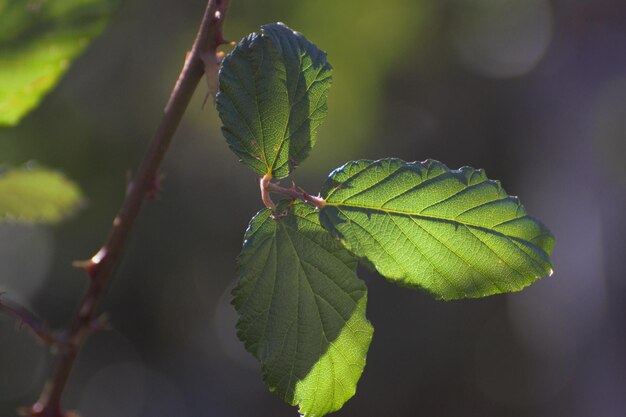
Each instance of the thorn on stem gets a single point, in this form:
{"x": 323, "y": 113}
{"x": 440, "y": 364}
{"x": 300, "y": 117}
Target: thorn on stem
{"x": 85, "y": 264}
{"x": 99, "y": 324}
{"x": 90, "y": 266}
{"x": 38, "y": 410}
{"x": 153, "y": 193}
{"x": 212, "y": 61}
{"x": 129, "y": 181}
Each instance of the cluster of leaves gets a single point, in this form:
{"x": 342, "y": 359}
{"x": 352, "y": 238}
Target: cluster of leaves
{"x": 453, "y": 233}
{"x": 38, "y": 41}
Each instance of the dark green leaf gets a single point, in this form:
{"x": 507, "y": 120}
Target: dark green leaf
{"x": 302, "y": 310}
{"x": 454, "y": 233}
{"x": 272, "y": 98}
{"x": 38, "y": 41}
{"x": 37, "y": 195}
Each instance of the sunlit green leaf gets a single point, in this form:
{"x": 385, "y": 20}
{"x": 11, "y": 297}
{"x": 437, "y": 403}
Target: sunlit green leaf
{"x": 302, "y": 310}
{"x": 37, "y": 195}
{"x": 38, "y": 41}
{"x": 272, "y": 98}
{"x": 454, "y": 233}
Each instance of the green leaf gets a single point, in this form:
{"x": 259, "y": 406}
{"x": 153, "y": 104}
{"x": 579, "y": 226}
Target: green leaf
{"x": 302, "y": 310}
{"x": 454, "y": 233}
{"x": 37, "y": 195}
{"x": 272, "y": 98}
{"x": 38, "y": 41}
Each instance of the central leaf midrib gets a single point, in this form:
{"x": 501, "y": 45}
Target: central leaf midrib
{"x": 258, "y": 111}
{"x": 292, "y": 103}
{"x": 430, "y": 218}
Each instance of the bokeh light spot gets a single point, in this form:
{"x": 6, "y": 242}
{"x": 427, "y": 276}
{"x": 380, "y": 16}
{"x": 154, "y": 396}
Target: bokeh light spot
{"x": 501, "y": 38}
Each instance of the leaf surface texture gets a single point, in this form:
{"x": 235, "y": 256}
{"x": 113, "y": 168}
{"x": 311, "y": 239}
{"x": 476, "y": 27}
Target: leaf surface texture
{"x": 272, "y": 97}
{"x": 302, "y": 310}
{"x": 453, "y": 233}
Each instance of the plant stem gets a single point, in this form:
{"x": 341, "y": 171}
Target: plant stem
{"x": 264, "y": 183}
{"x": 27, "y": 318}
{"x": 295, "y": 194}
{"x": 101, "y": 267}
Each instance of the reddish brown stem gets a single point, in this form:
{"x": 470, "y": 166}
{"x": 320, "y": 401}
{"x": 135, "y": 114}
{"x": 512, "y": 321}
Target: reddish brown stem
{"x": 101, "y": 266}
{"x": 28, "y": 319}
{"x": 294, "y": 193}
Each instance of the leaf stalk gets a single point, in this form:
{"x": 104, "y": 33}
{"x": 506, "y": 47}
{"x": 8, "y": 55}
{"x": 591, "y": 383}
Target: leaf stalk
{"x": 295, "y": 194}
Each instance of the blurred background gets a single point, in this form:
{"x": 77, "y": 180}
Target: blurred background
{"x": 534, "y": 91}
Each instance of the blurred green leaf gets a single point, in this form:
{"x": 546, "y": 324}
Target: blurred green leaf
{"x": 37, "y": 195}
{"x": 454, "y": 233}
{"x": 38, "y": 41}
{"x": 272, "y": 98}
{"x": 302, "y": 310}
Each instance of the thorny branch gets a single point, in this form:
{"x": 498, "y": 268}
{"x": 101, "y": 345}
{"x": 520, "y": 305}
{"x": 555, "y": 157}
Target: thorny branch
{"x": 203, "y": 59}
